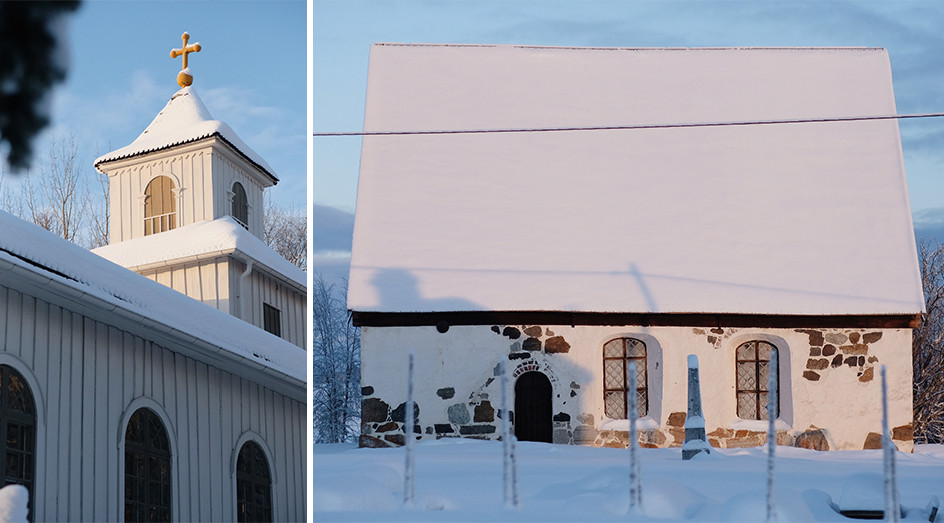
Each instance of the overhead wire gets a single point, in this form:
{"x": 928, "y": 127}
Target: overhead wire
{"x": 633, "y": 126}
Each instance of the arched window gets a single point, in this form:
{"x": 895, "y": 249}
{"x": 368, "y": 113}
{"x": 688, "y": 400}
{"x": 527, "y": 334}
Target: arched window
{"x": 753, "y": 372}
{"x": 17, "y": 430}
{"x": 240, "y": 205}
{"x": 253, "y": 485}
{"x": 147, "y": 468}
{"x": 160, "y": 206}
{"x": 616, "y": 357}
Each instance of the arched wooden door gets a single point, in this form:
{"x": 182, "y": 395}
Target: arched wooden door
{"x": 533, "y": 407}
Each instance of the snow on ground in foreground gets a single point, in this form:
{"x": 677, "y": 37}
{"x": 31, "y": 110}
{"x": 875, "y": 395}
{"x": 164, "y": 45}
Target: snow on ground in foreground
{"x": 461, "y": 480}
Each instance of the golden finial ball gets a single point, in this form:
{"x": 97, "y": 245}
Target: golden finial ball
{"x": 184, "y": 79}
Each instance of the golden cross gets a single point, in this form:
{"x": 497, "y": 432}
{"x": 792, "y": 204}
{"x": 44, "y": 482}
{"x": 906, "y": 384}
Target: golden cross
{"x": 183, "y": 78}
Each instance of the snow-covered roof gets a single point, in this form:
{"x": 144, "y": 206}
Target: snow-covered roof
{"x": 183, "y": 120}
{"x": 800, "y": 218}
{"x": 223, "y": 235}
{"x": 28, "y": 249}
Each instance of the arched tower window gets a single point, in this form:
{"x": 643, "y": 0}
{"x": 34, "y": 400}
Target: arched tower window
{"x": 147, "y": 468}
{"x": 253, "y": 485}
{"x": 753, "y": 372}
{"x": 17, "y": 430}
{"x": 160, "y": 206}
{"x": 240, "y": 205}
{"x": 617, "y": 354}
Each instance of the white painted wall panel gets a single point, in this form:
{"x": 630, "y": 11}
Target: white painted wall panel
{"x": 88, "y": 373}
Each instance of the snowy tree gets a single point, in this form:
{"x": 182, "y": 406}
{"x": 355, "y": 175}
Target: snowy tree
{"x": 927, "y": 353}
{"x": 286, "y": 231}
{"x": 336, "y": 374}
{"x": 32, "y": 61}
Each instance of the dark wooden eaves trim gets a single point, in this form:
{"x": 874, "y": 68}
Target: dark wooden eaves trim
{"x": 784, "y": 321}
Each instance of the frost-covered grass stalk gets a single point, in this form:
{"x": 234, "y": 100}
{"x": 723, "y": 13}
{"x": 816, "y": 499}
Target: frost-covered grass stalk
{"x": 510, "y": 462}
{"x": 892, "y": 510}
{"x": 772, "y": 402}
{"x": 409, "y": 486}
{"x": 635, "y": 482}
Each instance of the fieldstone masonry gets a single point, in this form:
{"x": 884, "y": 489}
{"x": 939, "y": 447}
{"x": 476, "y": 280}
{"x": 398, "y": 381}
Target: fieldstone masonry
{"x": 533, "y": 348}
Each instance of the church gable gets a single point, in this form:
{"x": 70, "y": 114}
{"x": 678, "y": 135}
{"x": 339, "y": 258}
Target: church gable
{"x": 563, "y": 254}
{"x": 759, "y": 219}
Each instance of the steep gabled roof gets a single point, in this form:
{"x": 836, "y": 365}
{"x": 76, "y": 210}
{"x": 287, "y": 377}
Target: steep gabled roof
{"x": 183, "y": 120}
{"x": 66, "y": 272}
{"x": 800, "y": 218}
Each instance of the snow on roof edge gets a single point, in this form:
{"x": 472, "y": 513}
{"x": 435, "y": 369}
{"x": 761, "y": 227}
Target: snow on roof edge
{"x": 37, "y": 250}
{"x": 579, "y": 48}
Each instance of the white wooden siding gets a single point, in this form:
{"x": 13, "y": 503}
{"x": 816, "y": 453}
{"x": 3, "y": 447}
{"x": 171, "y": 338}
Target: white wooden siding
{"x": 260, "y": 287}
{"x": 87, "y": 374}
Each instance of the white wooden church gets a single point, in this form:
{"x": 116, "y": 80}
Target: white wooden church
{"x": 682, "y": 227}
{"x": 122, "y": 396}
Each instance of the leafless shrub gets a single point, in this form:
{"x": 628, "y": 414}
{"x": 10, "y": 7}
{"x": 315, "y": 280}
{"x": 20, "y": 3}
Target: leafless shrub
{"x": 927, "y": 353}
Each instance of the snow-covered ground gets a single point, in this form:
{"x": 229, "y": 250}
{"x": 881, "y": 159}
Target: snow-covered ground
{"x": 461, "y": 480}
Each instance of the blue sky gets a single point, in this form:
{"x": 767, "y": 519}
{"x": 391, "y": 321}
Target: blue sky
{"x": 343, "y": 31}
{"x": 251, "y": 74}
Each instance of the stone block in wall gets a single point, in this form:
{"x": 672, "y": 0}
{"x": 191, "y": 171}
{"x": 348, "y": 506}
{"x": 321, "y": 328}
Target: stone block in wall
{"x": 459, "y": 414}
{"x": 534, "y": 331}
{"x": 676, "y": 419}
{"x": 367, "y": 391}
{"x": 561, "y": 437}
{"x": 374, "y": 410}
{"x": 532, "y": 344}
{"x": 371, "y": 442}
{"x": 814, "y": 439}
{"x": 477, "y": 429}
{"x": 444, "y": 428}
{"x": 484, "y": 412}
{"x": 651, "y": 439}
{"x": 396, "y": 439}
{"x": 399, "y": 413}
{"x": 585, "y": 435}
{"x": 873, "y": 441}
{"x": 556, "y": 344}
{"x": 446, "y": 393}
{"x": 387, "y": 427}
{"x": 904, "y": 432}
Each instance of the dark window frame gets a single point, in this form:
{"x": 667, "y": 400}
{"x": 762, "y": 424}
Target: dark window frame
{"x": 751, "y": 362}
{"x": 18, "y": 425}
{"x": 240, "y": 207}
{"x": 147, "y": 467}
{"x": 272, "y": 319}
{"x": 618, "y": 389}
{"x": 253, "y": 484}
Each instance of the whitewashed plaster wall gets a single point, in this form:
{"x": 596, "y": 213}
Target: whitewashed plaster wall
{"x": 817, "y": 393}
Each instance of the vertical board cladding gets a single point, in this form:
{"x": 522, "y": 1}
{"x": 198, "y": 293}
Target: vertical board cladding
{"x": 84, "y": 376}
{"x": 829, "y": 383}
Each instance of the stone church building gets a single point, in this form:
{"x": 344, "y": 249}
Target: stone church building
{"x": 608, "y": 206}
{"x": 175, "y": 390}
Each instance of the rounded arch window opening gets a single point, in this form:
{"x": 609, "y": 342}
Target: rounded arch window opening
{"x": 147, "y": 468}
{"x": 160, "y": 206}
{"x": 240, "y": 205}
{"x": 253, "y": 484}
{"x": 752, "y": 367}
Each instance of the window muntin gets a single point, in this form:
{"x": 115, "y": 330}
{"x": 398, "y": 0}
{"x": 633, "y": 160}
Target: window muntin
{"x": 147, "y": 468}
{"x": 240, "y": 205}
{"x": 253, "y": 485}
{"x": 17, "y": 431}
{"x": 753, "y": 372}
{"x": 272, "y": 319}
{"x": 160, "y": 206}
{"x": 617, "y": 354}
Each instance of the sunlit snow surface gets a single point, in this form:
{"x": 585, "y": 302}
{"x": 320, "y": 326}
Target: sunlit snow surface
{"x": 461, "y": 480}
